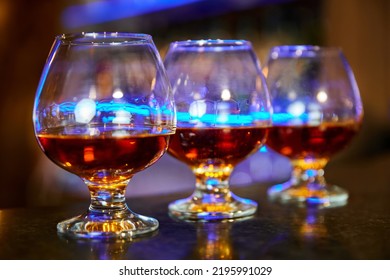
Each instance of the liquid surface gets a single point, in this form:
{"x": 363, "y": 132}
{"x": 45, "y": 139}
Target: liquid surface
{"x": 105, "y": 158}
{"x": 322, "y": 141}
{"x": 229, "y": 145}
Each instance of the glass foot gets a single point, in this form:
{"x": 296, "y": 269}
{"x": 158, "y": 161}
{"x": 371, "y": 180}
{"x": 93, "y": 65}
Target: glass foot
{"x": 208, "y": 207}
{"x": 322, "y": 196}
{"x": 124, "y": 225}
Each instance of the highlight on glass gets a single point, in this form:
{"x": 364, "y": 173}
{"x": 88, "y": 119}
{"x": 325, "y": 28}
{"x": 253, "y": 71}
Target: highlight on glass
{"x": 317, "y": 111}
{"x": 223, "y": 114}
{"x": 104, "y": 111}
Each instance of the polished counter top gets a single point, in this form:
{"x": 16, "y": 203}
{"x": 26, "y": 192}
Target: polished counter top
{"x": 358, "y": 230}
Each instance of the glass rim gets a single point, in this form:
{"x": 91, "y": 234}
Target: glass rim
{"x": 303, "y": 50}
{"x": 211, "y": 44}
{"x": 104, "y": 38}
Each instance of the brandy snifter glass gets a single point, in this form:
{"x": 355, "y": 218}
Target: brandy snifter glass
{"x": 104, "y": 111}
{"x": 223, "y": 112}
{"x": 317, "y": 110}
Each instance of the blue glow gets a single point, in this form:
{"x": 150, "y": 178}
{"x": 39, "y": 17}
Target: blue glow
{"x": 43, "y": 80}
{"x": 212, "y": 236}
{"x": 106, "y": 11}
{"x": 281, "y": 118}
{"x": 316, "y": 200}
{"x": 295, "y": 51}
{"x": 212, "y": 182}
{"x": 185, "y": 117}
{"x": 144, "y": 110}
{"x": 263, "y": 149}
{"x": 104, "y": 195}
{"x": 276, "y": 189}
{"x": 209, "y": 216}
{"x": 311, "y": 219}
{"x": 211, "y": 45}
{"x": 261, "y": 116}
{"x": 311, "y": 172}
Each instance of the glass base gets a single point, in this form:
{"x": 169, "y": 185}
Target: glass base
{"x": 326, "y": 196}
{"x": 208, "y": 207}
{"x": 92, "y": 225}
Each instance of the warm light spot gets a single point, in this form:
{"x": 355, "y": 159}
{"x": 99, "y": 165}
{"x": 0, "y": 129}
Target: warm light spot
{"x": 192, "y": 154}
{"x": 286, "y": 151}
{"x": 291, "y": 95}
{"x": 153, "y": 84}
{"x": 197, "y": 95}
{"x": 322, "y": 96}
{"x": 214, "y": 174}
{"x": 225, "y": 94}
{"x": 109, "y": 226}
{"x": 208, "y": 207}
{"x": 68, "y": 164}
{"x": 106, "y": 227}
{"x": 117, "y": 94}
{"x": 265, "y": 71}
{"x": 92, "y": 92}
{"x": 89, "y": 154}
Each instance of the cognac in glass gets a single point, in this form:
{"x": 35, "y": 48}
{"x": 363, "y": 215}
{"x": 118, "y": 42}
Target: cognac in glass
{"x": 104, "y": 111}
{"x": 317, "y": 111}
{"x": 223, "y": 112}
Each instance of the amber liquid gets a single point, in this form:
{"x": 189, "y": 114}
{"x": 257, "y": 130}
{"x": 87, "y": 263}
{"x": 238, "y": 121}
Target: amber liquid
{"x": 104, "y": 159}
{"x": 195, "y": 146}
{"x": 316, "y": 142}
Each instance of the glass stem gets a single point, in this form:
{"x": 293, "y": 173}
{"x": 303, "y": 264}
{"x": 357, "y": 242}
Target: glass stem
{"x": 212, "y": 181}
{"x": 311, "y": 175}
{"x": 108, "y": 199}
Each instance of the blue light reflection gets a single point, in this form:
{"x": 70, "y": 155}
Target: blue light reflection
{"x": 213, "y": 119}
{"x": 283, "y": 118}
{"x": 144, "y": 110}
{"x": 105, "y": 11}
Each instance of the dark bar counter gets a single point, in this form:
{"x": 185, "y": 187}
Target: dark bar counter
{"x": 358, "y": 230}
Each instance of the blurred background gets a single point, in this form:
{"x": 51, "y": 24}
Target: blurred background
{"x": 27, "y": 28}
